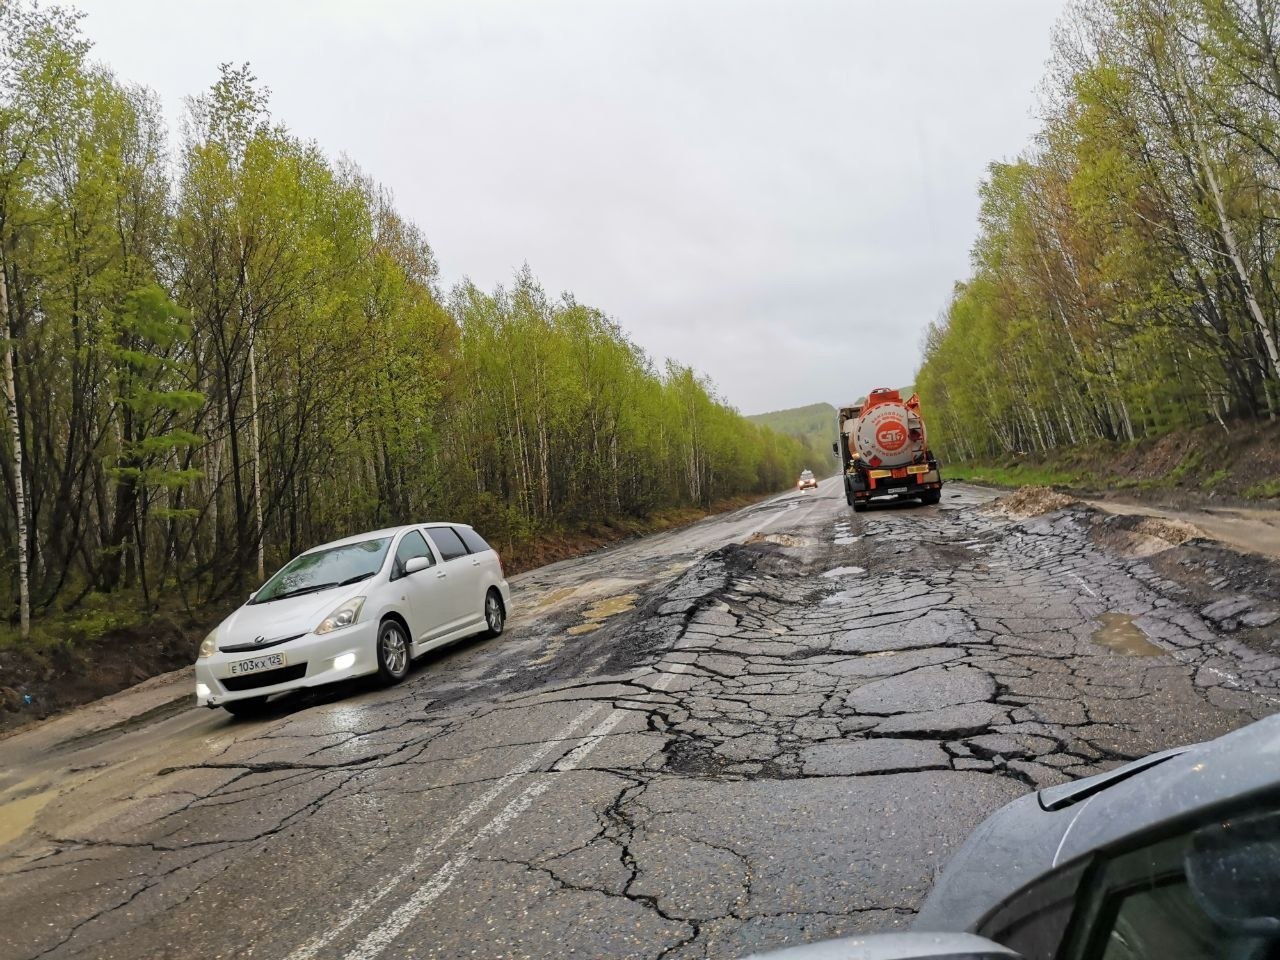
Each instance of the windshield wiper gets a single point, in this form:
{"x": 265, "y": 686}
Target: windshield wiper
{"x": 301, "y": 590}
{"x": 320, "y": 586}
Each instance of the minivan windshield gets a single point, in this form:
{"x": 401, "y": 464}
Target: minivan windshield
{"x": 322, "y": 569}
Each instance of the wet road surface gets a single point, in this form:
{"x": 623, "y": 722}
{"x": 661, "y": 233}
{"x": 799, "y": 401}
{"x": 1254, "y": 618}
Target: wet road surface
{"x": 771, "y": 727}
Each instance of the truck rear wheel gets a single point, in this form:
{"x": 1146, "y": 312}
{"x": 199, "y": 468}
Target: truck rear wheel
{"x": 859, "y": 506}
{"x": 931, "y": 497}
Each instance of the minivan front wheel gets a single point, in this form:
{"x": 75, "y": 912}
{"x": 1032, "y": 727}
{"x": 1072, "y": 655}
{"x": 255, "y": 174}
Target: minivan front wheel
{"x": 393, "y": 651}
{"x": 495, "y": 615}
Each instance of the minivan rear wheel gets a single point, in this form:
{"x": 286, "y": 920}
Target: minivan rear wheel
{"x": 495, "y": 614}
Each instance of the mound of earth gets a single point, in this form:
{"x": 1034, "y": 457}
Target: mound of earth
{"x": 1175, "y": 532}
{"x": 1030, "y": 502}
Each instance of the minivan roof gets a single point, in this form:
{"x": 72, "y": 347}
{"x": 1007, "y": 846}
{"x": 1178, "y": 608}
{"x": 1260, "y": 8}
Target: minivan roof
{"x": 386, "y": 532}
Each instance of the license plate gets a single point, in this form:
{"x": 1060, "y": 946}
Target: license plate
{"x": 897, "y": 490}
{"x": 268, "y": 662}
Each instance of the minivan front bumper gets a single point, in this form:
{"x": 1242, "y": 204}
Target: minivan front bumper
{"x": 310, "y": 661}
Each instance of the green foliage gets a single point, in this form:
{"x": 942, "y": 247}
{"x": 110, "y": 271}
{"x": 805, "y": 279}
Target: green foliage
{"x": 1265, "y": 490}
{"x": 815, "y": 426}
{"x": 254, "y": 354}
{"x": 1017, "y": 475}
{"x": 1214, "y": 479}
{"x": 1123, "y": 274}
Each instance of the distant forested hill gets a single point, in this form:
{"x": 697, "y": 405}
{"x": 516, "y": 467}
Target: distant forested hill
{"x": 814, "y": 426}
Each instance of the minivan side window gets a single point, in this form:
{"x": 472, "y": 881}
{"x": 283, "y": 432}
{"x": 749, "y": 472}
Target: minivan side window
{"x": 411, "y": 545}
{"x": 447, "y": 542}
{"x": 475, "y": 543}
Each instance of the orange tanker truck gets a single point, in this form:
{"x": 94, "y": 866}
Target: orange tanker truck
{"x": 886, "y": 455}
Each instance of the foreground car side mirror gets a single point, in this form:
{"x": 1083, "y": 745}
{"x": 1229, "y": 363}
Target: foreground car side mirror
{"x": 835, "y": 447}
{"x": 897, "y": 946}
{"x": 414, "y": 564}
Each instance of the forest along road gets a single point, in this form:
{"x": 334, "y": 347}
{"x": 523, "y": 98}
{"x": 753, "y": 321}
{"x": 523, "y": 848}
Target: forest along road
{"x": 771, "y": 727}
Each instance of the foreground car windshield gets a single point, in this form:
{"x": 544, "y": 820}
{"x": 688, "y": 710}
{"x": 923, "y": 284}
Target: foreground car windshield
{"x": 320, "y": 569}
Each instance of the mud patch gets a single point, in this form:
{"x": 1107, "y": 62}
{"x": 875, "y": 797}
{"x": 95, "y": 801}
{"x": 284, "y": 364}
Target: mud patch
{"x": 1121, "y": 635}
{"x": 1029, "y": 502}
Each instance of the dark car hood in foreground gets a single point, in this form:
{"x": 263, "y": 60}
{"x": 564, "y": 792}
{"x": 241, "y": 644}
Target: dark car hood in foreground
{"x": 1023, "y": 840}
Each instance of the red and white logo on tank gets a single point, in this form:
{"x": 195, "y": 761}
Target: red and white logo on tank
{"x": 883, "y": 433}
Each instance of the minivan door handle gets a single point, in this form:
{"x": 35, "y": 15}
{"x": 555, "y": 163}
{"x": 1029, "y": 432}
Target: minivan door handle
{"x": 440, "y": 574}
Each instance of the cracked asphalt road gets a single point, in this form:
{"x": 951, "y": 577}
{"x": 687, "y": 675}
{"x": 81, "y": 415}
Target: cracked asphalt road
{"x": 772, "y": 727}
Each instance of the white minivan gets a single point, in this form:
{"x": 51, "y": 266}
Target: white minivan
{"x": 366, "y": 604}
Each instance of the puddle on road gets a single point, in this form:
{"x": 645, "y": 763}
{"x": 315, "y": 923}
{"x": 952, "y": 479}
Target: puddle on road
{"x": 17, "y": 816}
{"x": 844, "y": 571}
{"x": 1121, "y": 635}
{"x": 844, "y": 541}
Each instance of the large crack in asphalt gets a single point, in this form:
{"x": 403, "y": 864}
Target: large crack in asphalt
{"x": 809, "y": 725}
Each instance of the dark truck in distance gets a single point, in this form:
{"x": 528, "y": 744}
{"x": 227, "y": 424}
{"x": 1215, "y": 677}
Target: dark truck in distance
{"x": 885, "y": 451}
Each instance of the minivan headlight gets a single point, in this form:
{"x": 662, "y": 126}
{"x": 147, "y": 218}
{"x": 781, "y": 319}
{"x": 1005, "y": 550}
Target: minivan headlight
{"x": 344, "y": 616}
{"x": 209, "y": 645}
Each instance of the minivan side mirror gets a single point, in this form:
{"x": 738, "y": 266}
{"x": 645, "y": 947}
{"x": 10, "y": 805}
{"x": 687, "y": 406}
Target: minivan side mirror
{"x": 252, "y": 595}
{"x": 897, "y": 946}
{"x": 414, "y": 564}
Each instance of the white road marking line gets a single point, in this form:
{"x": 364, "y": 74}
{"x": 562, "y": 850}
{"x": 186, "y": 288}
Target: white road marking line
{"x": 365, "y": 903}
{"x": 378, "y": 940}
{"x": 1080, "y": 580}
{"x": 382, "y": 935}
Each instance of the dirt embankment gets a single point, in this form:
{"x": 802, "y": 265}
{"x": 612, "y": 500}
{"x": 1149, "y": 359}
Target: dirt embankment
{"x": 38, "y": 680}
{"x": 1238, "y": 463}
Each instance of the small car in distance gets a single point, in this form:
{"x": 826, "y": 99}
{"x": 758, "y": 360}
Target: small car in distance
{"x": 362, "y": 605}
{"x": 807, "y": 481}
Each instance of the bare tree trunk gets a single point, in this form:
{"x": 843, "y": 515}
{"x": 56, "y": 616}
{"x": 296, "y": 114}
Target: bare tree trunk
{"x": 1229, "y": 235}
{"x": 257, "y": 458}
{"x": 20, "y": 499}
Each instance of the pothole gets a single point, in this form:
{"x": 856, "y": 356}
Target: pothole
{"x": 1121, "y": 635}
{"x": 844, "y": 571}
{"x": 594, "y": 616}
{"x": 777, "y": 539}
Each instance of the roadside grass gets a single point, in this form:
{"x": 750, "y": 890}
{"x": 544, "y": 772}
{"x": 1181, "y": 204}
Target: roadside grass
{"x": 1016, "y": 475}
{"x": 1214, "y": 479}
{"x": 1266, "y": 490}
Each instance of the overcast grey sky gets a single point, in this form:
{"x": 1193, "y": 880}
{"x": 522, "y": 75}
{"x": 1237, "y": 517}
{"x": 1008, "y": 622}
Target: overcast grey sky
{"x": 780, "y": 194}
